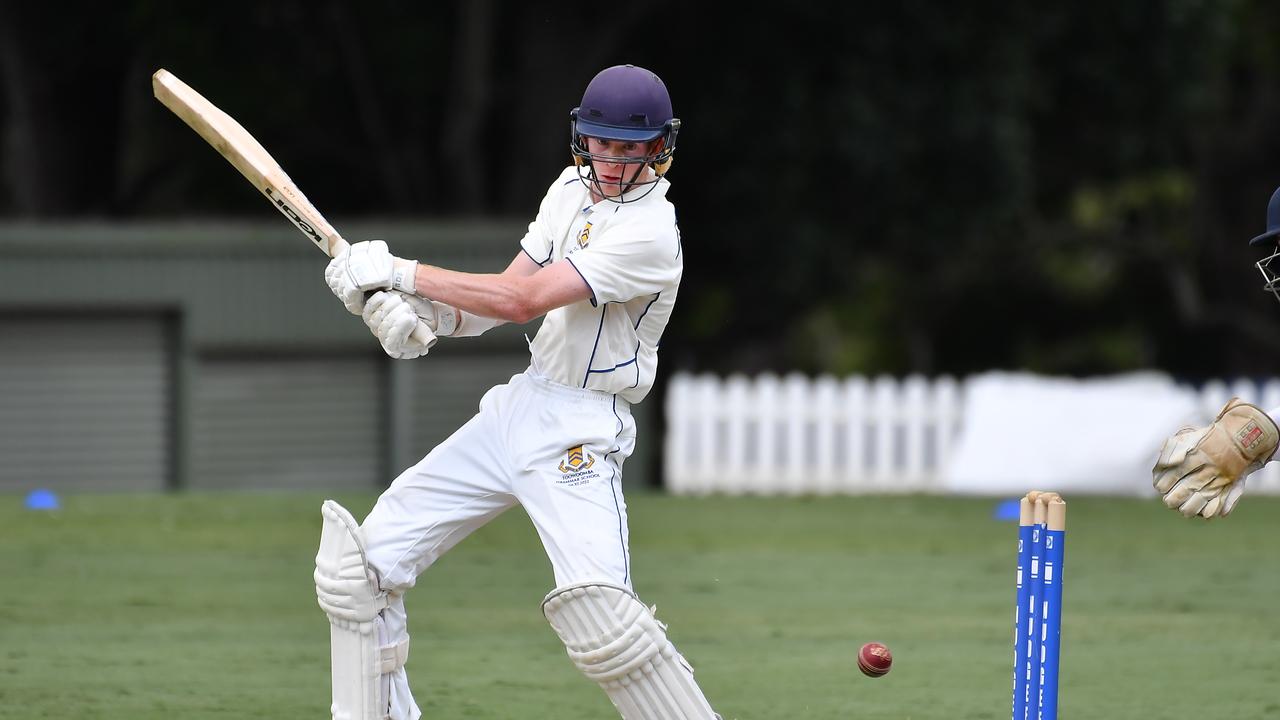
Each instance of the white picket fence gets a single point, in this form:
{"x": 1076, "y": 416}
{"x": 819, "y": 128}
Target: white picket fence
{"x": 773, "y": 435}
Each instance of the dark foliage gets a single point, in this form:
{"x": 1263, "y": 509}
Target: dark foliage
{"x": 891, "y": 187}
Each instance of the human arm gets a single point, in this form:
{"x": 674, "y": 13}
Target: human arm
{"x": 522, "y": 292}
{"x": 1202, "y": 471}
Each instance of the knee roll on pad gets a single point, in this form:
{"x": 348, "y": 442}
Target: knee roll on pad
{"x": 347, "y": 589}
{"x": 616, "y": 641}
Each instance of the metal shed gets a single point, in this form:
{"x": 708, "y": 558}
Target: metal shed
{"x": 138, "y": 357}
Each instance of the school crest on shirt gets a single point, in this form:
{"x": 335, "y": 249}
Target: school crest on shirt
{"x": 577, "y": 466}
{"x": 584, "y": 237}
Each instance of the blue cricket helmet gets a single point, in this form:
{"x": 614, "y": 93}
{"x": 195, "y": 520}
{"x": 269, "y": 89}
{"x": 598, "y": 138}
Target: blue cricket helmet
{"x": 624, "y": 102}
{"x": 628, "y": 104}
{"x": 1273, "y": 222}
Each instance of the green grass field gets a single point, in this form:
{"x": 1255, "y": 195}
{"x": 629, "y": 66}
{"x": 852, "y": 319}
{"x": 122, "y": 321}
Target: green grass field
{"x": 201, "y": 607}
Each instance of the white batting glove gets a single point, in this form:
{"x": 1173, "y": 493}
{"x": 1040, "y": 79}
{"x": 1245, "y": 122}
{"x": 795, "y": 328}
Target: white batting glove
{"x": 1202, "y": 471}
{"x": 367, "y": 266}
{"x": 392, "y": 316}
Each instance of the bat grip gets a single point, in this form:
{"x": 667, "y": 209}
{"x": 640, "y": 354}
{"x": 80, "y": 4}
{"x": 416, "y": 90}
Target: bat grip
{"x": 423, "y": 334}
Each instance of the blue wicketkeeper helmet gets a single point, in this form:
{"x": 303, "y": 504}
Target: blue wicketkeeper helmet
{"x": 1270, "y": 237}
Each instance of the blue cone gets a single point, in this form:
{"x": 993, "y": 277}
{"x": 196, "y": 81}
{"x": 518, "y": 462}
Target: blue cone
{"x": 1008, "y": 510}
{"x": 42, "y": 500}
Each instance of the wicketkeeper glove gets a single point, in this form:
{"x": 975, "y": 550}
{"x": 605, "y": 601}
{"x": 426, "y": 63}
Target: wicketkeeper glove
{"x": 1202, "y": 471}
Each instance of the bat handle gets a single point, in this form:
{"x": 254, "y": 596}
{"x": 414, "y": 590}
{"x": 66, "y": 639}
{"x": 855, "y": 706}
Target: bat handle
{"x": 423, "y": 334}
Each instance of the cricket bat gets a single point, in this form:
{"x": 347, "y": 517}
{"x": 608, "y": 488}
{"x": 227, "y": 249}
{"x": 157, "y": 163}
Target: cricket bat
{"x": 254, "y": 162}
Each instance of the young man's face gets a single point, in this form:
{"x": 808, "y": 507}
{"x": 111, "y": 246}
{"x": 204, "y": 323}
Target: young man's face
{"x": 613, "y": 177}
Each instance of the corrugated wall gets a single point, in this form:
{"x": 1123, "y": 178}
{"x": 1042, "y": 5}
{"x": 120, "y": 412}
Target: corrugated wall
{"x": 287, "y": 423}
{"x": 253, "y": 286}
{"x": 85, "y": 402}
{"x": 212, "y": 355}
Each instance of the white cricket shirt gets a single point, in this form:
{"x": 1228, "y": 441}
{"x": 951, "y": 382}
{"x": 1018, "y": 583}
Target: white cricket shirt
{"x": 629, "y": 254}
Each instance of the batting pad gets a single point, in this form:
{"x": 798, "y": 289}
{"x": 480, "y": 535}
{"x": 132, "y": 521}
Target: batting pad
{"x": 616, "y": 641}
{"x": 362, "y": 660}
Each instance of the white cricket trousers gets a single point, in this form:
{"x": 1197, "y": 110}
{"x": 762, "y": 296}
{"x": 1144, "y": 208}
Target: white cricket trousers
{"x": 555, "y": 450}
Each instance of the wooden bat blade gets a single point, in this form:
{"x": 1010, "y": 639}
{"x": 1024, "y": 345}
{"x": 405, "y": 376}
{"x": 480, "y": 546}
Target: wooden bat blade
{"x": 253, "y": 161}
{"x": 248, "y": 156}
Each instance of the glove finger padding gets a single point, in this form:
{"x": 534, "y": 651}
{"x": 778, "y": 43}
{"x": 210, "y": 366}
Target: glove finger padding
{"x": 335, "y": 277}
{"x": 375, "y": 310}
{"x": 369, "y": 265}
{"x": 410, "y": 348}
{"x": 1171, "y": 467}
{"x": 398, "y": 324}
{"x": 1193, "y": 504}
{"x": 1189, "y": 485}
{"x": 393, "y": 317}
{"x": 1221, "y": 501}
{"x": 1232, "y": 496}
{"x": 1212, "y": 507}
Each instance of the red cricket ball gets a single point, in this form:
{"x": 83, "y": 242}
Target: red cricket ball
{"x": 874, "y": 659}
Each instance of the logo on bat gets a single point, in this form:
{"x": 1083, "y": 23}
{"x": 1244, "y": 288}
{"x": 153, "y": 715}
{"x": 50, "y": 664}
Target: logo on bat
{"x": 292, "y": 214}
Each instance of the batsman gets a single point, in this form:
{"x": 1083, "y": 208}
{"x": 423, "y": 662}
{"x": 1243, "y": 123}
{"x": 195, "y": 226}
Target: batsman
{"x": 601, "y": 264}
{"x": 1202, "y": 472}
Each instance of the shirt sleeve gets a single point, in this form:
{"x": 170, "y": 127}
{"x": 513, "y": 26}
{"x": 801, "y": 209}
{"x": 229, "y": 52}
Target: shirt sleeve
{"x": 538, "y": 242}
{"x": 629, "y": 262}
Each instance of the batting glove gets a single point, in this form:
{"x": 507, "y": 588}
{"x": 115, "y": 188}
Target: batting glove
{"x": 368, "y": 266}
{"x": 392, "y": 316}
